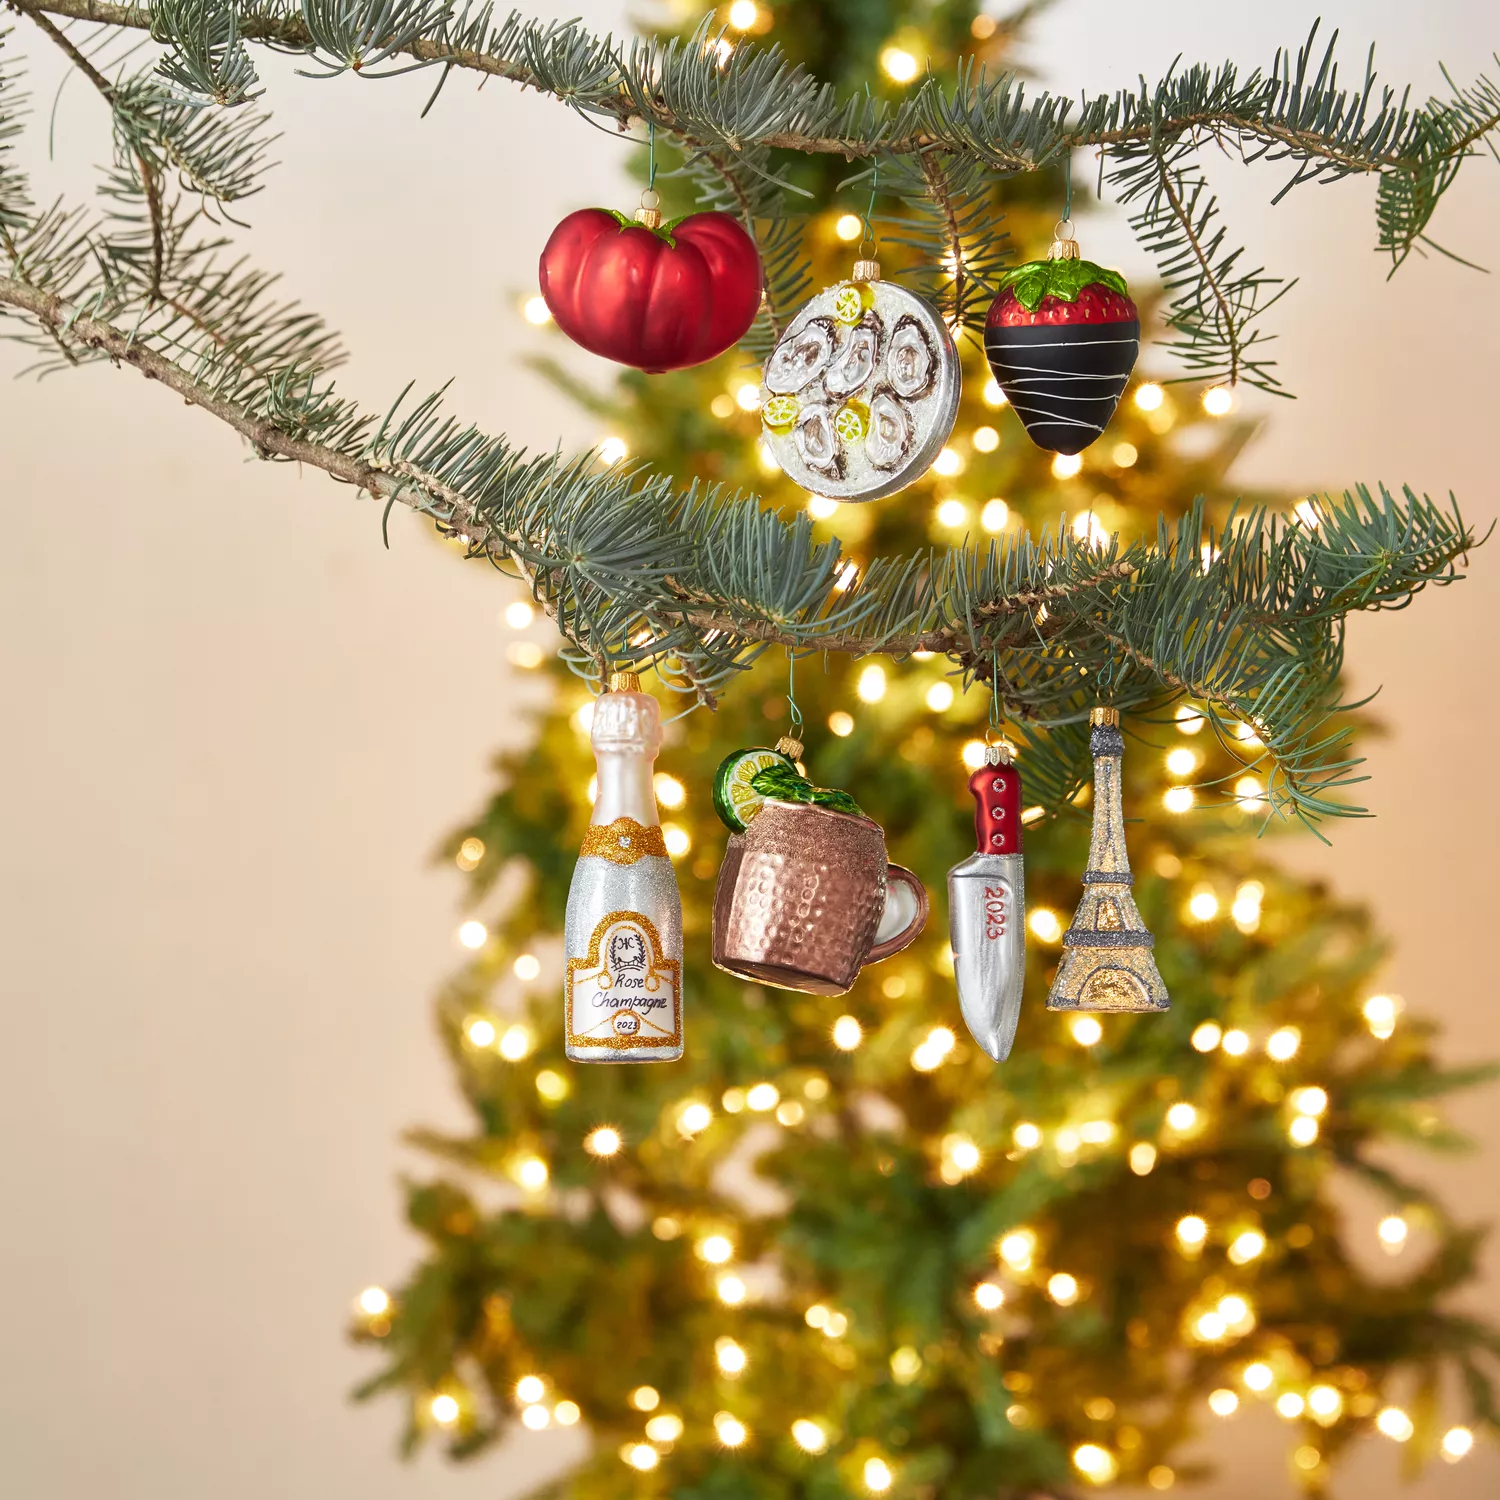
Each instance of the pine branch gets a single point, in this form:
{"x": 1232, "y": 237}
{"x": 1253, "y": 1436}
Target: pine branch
{"x": 728, "y": 114}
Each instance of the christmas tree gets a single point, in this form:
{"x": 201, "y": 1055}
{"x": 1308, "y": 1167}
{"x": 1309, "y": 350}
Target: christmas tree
{"x": 835, "y": 1251}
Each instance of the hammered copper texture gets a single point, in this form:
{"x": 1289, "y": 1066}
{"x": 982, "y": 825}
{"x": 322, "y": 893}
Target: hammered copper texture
{"x": 800, "y": 895}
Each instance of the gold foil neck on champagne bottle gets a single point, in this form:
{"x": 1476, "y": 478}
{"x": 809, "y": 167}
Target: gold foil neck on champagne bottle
{"x": 624, "y": 682}
{"x": 1104, "y": 717}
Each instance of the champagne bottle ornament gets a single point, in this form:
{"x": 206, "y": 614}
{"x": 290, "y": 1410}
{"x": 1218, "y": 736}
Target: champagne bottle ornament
{"x": 623, "y": 928}
{"x": 860, "y": 394}
{"x": 987, "y": 908}
{"x": 1107, "y": 963}
{"x": 1062, "y": 338}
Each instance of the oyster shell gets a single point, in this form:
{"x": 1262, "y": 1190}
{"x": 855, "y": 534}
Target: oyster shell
{"x": 891, "y": 434}
{"x": 855, "y": 362}
{"x": 801, "y": 356}
{"x": 817, "y": 443}
{"x": 912, "y": 364}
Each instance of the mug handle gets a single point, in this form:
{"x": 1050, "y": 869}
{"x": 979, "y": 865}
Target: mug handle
{"x": 913, "y": 929}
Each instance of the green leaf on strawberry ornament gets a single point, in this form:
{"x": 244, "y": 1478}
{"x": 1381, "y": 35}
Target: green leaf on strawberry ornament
{"x": 784, "y": 784}
{"x": 1063, "y": 279}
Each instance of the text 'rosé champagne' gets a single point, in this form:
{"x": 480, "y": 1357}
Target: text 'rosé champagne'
{"x": 623, "y": 932}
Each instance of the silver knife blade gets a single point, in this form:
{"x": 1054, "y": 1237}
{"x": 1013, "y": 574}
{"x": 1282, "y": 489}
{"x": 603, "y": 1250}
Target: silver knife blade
{"x": 987, "y": 927}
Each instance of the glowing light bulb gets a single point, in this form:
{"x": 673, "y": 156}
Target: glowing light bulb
{"x": 1236, "y": 1043}
{"x": 1125, "y": 455}
{"x": 1325, "y": 1403}
{"x": 1258, "y": 1377}
{"x": 1223, "y": 1403}
{"x": 1282, "y": 1045}
{"x": 986, "y": 439}
{"x": 566, "y": 1413}
{"x": 670, "y": 792}
{"x": 642, "y": 1456}
{"x": 473, "y": 934}
{"x": 995, "y": 516}
{"x": 877, "y": 1475}
{"x": 374, "y": 1302}
{"x": 531, "y": 1173}
{"x": 898, "y": 64}
{"x": 1395, "y": 1424}
{"x": 731, "y": 1358}
{"x": 644, "y": 1398}
{"x": 666, "y": 1428}
{"x": 1178, "y": 799}
{"x": 1303, "y": 1131}
{"x": 1457, "y": 1442}
{"x": 1063, "y": 1289}
{"x": 762, "y": 1097}
{"x": 1203, "y": 906}
{"x": 1247, "y": 1247}
{"x": 940, "y": 697}
{"x": 1097, "y": 1132}
{"x": 1211, "y": 1327}
{"x": 1393, "y": 1230}
{"x": 1182, "y": 761}
{"x": 535, "y": 310}
{"x": 605, "y": 1141}
{"x": 693, "y": 1117}
{"x": 993, "y": 395}
{"x": 847, "y": 1033}
{"x": 1310, "y": 1101}
{"x": 1045, "y": 924}
{"x": 1016, "y": 1249}
{"x": 1150, "y": 396}
{"x": 973, "y": 754}
{"x": 1290, "y": 1405}
{"x": 948, "y": 463}
{"x": 841, "y": 724}
{"x": 1182, "y": 1117}
{"x": 480, "y": 1032}
{"x": 1218, "y": 401}
{"x": 530, "y": 1389}
{"x": 730, "y": 1431}
{"x": 1206, "y": 1037}
{"x": 444, "y": 1410}
{"x": 526, "y": 967}
{"x": 962, "y": 1152}
{"x": 808, "y": 1436}
{"x": 516, "y": 1043}
{"x": 1380, "y": 1012}
{"x": 1087, "y": 1030}
{"x": 1096, "y": 1464}
{"x": 1027, "y": 1136}
{"x": 988, "y": 1296}
{"x": 536, "y": 1417}
{"x": 1067, "y": 465}
{"x": 1142, "y": 1158}
{"x": 716, "y": 1249}
{"x": 1192, "y": 1231}
{"x": 613, "y": 450}
{"x": 871, "y": 687}
{"x": 849, "y": 227}
{"x": 906, "y": 1364}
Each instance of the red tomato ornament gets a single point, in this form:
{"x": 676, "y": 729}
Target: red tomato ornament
{"x": 659, "y": 298}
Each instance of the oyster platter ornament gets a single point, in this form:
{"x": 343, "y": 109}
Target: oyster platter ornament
{"x": 860, "y": 394}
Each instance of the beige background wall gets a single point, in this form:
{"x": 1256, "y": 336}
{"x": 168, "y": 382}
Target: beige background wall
{"x": 235, "y": 726}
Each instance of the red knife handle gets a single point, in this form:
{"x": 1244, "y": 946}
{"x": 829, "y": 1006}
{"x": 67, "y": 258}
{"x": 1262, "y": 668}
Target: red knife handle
{"x": 997, "y": 809}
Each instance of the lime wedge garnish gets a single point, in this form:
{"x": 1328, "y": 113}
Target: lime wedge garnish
{"x": 735, "y": 800}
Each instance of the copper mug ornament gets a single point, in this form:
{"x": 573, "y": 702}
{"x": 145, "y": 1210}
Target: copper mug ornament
{"x": 806, "y": 898}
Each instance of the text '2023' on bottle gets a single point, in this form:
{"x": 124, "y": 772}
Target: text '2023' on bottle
{"x": 623, "y": 931}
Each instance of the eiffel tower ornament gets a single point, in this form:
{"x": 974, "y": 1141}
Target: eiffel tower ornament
{"x": 1107, "y": 963}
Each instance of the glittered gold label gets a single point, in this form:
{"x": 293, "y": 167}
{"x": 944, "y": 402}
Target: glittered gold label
{"x": 624, "y": 993}
{"x": 624, "y": 841}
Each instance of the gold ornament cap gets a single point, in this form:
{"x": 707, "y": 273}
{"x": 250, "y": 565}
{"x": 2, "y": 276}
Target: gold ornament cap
{"x": 789, "y": 745}
{"x": 1064, "y": 246}
{"x": 649, "y": 213}
{"x": 1102, "y": 717}
{"x": 624, "y": 682}
{"x": 867, "y": 270}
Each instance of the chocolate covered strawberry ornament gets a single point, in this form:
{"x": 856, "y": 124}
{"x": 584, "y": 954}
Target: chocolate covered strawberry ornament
{"x": 1062, "y": 338}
